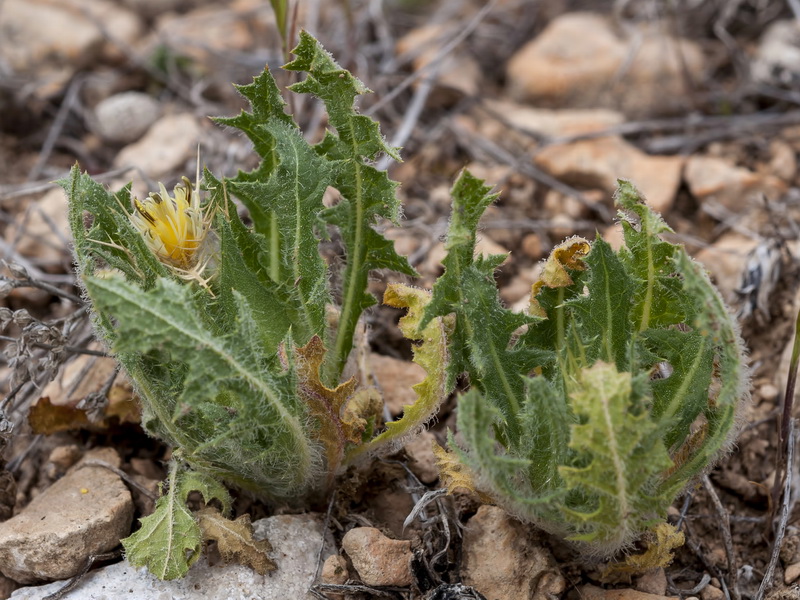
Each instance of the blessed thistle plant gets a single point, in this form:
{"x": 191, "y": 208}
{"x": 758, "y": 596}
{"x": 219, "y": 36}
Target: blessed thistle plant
{"x": 225, "y": 327}
{"x": 588, "y": 415}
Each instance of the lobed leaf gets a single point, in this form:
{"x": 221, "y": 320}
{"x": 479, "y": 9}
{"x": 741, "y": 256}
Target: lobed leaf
{"x": 483, "y": 327}
{"x": 650, "y": 260}
{"x": 619, "y": 451}
{"x": 604, "y": 311}
{"x": 431, "y": 354}
{"x": 366, "y": 193}
{"x": 235, "y": 540}
{"x": 169, "y": 540}
{"x": 235, "y": 414}
{"x": 293, "y": 195}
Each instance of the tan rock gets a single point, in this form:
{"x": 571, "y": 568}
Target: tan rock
{"x": 791, "y": 574}
{"x": 711, "y": 592}
{"x": 123, "y": 118}
{"x": 555, "y": 123}
{"x": 457, "y": 73}
{"x": 548, "y": 68}
{"x": 726, "y": 259}
{"x": 503, "y": 561}
{"x": 712, "y": 178}
{"x": 395, "y": 378}
{"x": 652, "y": 582}
{"x": 599, "y": 162}
{"x": 334, "y": 570}
{"x": 580, "y": 61}
{"x": 207, "y": 32}
{"x": 592, "y": 592}
{"x": 55, "y": 39}
{"x": 378, "y": 559}
{"x": 423, "y": 461}
{"x": 86, "y": 512}
{"x": 43, "y": 232}
{"x": 709, "y": 175}
{"x": 165, "y": 147}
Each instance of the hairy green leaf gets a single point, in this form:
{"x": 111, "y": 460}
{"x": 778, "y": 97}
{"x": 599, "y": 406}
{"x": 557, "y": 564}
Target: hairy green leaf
{"x": 231, "y": 399}
{"x": 650, "y": 259}
{"x": 293, "y": 194}
{"x": 169, "y": 540}
{"x": 484, "y": 329}
{"x": 604, "y": 312}
{"x": 621, "y": 452}
{"x": 366, "y": 193}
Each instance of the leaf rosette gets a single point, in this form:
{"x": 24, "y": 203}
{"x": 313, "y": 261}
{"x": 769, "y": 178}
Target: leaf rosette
{"x": 591, "y": 413}
{"x": 224, "y": 323}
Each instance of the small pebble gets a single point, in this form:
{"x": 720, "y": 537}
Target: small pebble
{"x": 63, "y": 457}
{"x": 123, "y": 118}
{"x": 653, "y": 582}
{"x": 791, "y": 574}
{"x": 378, "y": 559}
{"x": 711, "y": 592}
{"x": 334, "y": 570}
{"x": 768, "y": 392}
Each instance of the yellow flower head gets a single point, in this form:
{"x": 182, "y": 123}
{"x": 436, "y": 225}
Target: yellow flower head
{"x": 174, "y": 228}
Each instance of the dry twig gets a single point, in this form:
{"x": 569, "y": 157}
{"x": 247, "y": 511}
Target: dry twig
{"x": 70, "y": 101}
{"x": 524, "y": 165}
{"x": 444, "y": 51}
{"x": 93, "y": 462}
{"x": 727, "y": 539}
{"x": 785, "y": 510}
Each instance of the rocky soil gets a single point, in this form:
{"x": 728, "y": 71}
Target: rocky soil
{"x": 552, "y": 101}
